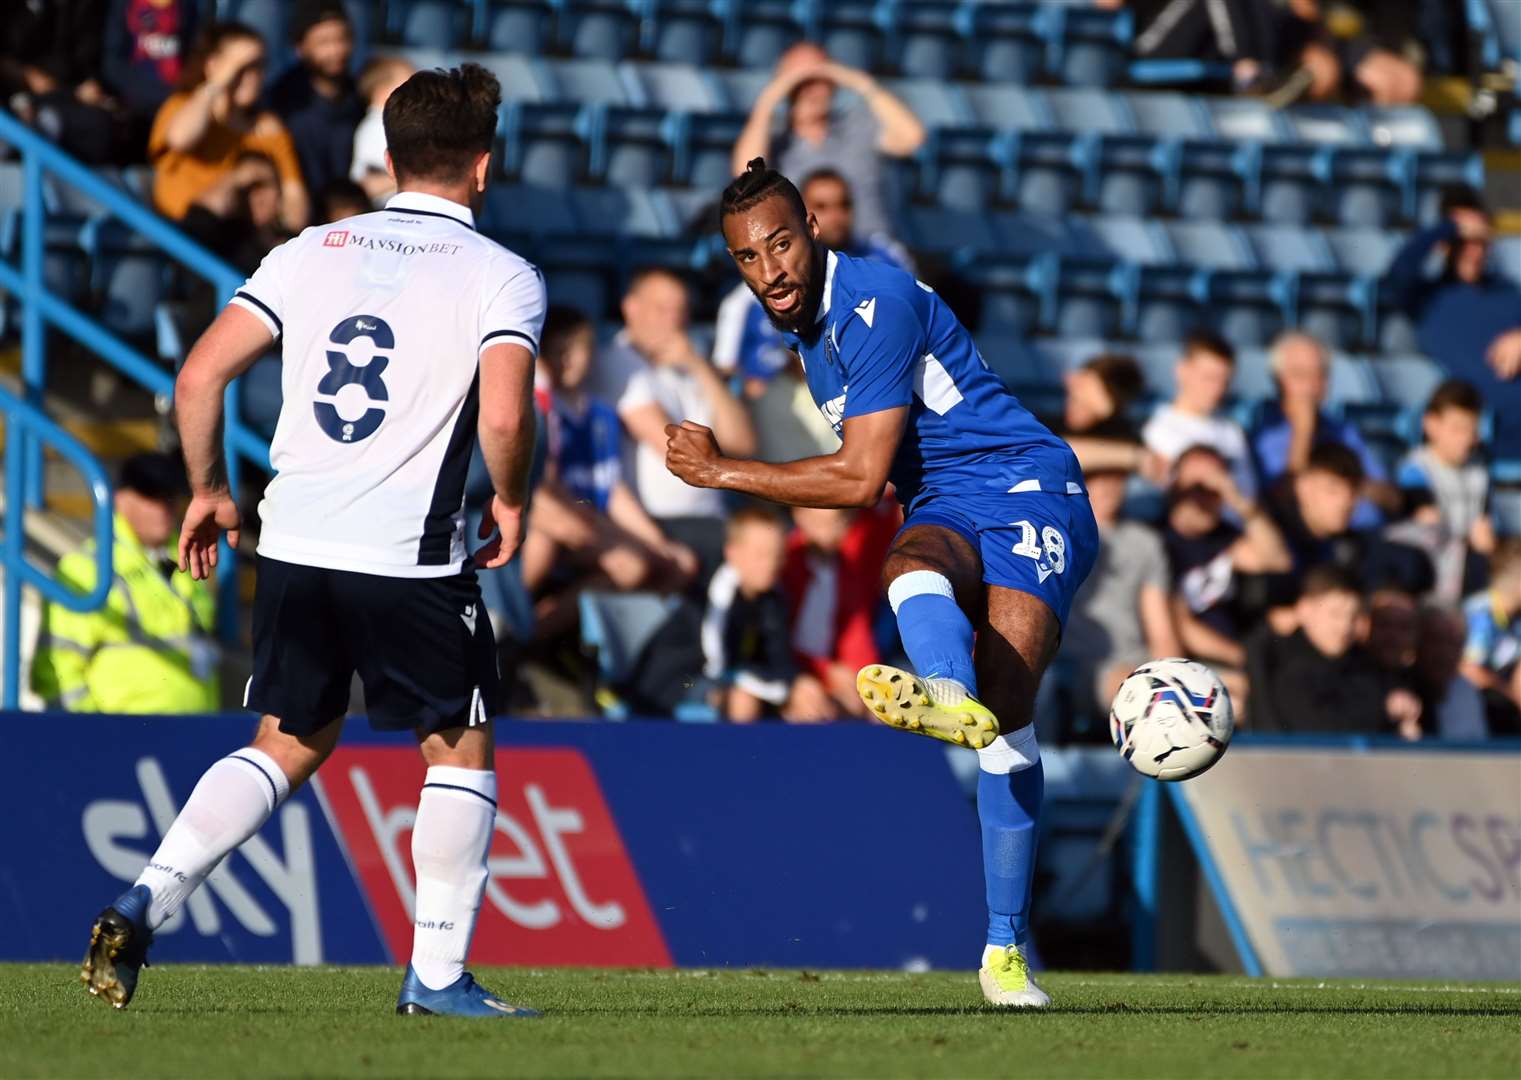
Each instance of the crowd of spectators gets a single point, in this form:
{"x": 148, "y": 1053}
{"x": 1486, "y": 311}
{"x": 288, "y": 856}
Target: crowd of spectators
{"x": 1335, "y": 586}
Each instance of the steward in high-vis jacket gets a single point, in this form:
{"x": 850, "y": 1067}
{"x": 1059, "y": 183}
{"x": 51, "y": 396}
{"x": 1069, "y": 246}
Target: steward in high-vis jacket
{"x": 150, "y": 648}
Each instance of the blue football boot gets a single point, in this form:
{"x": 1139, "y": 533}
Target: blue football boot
{"x": 463, "y": 997}
{"x": 118, "y": 951}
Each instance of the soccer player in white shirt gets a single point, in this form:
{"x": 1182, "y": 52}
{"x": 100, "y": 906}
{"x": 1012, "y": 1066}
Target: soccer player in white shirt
{"x": 404, "y": 334}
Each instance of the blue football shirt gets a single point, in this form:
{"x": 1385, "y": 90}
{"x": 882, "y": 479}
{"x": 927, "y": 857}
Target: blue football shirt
{"x": 589, "y": 448}
{"x": 884, "y": 340}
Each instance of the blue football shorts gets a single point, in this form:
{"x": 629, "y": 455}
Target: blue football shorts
{"x": 1040, "y": 543}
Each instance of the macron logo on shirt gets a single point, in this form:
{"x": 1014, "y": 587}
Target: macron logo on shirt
{"x": 867, "y": 309}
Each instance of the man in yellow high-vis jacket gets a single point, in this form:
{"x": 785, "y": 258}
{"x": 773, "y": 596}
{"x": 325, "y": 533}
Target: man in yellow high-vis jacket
{"x": 150, "y": 648}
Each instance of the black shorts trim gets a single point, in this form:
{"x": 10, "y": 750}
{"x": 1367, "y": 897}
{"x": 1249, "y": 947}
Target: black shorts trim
{"x": 422, "y": 647}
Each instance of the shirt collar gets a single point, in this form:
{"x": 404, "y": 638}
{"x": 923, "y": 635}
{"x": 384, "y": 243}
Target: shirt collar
{"x": 420, "y": 202}
{"x": 829, "y": 263}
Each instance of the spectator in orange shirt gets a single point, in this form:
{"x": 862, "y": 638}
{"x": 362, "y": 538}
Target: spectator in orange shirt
{"x": 213, "y": 119}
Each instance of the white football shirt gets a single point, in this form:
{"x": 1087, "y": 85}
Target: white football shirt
{"x": 382, "y": 318}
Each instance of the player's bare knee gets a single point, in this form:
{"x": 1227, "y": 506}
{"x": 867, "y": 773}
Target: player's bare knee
{"x": 299, "y": 756}
{"x": 460, "y": 747}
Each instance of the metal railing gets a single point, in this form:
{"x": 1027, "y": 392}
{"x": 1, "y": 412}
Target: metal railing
{"x": 27, "y": 432}
{"x": 40, "y": 309}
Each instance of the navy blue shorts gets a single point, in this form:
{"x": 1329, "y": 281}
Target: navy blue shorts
{"x": 423, "y": 648}
{"x": 1039, "y": 543}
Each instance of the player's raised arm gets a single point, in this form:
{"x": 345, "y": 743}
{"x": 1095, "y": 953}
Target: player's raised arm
{"x": 854, "y": 475}
{"x": 227, "y": 349}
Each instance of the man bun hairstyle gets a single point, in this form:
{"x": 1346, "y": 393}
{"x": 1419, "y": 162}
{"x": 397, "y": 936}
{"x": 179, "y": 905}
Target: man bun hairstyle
{"x": 755, "y": 185}
{"x": 438, "y": 122}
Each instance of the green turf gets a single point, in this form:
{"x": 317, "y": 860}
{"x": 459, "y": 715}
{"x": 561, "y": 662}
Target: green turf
{"x": 230, "y": 1022}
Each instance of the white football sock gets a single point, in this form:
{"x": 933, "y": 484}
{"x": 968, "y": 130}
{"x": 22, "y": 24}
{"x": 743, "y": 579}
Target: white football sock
{"x": 233, "y": 798}
{"x": 455, "y": 818}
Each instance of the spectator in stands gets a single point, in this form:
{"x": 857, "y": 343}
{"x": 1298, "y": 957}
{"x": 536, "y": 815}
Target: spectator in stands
{"x": 1468, "y": 317}
{"x": 745, "y": 638}
{"x": 1122, "y": 615}
{"x": 213, "y": 119}
{"x": 146, "y": 45}
{"x": 342, "y": 198}
{"x": 587, "y": 529}
{"x": 50, "y": 66}
{"x": 1219, "y": 568}
{"x": 1094, "y": 421}
{"x": 1287, "y": 429}
{"x": 150, "y": 648}
{"x": 830, "y": 580}
{"x": 1203, "y": 375}
{"x": 1492, "y": 646}
{"x": 238, "y": 216}
{"x": 1313, "y": 510}
{"x": 377, "y": 79}
{"x": 1452, "y": 705}
{"x": 851, "y": 141}
{"x": 655, "y": 376}
{"x": 1319, "y": 679}
{"x": 1446, "y": 488}
{"x": 316, "y": 96}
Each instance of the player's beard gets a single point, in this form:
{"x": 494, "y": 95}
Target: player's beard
{"x": 800, "y": 319}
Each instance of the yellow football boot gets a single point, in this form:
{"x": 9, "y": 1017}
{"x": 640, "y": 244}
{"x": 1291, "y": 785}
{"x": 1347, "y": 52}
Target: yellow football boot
{"x": 940, "y": 708}
{"x": 1007, "y": 980}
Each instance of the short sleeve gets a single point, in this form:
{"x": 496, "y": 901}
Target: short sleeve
{"x": 639, "y": 390}
{"x": 514, "y": 313}
{"x": 883, "y": 344}
{"x": 264, "y": 293}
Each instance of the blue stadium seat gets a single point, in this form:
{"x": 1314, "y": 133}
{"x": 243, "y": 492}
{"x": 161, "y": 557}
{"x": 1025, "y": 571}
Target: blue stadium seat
{"x": 1505, "y": 505}
{"x": 759, "y": 31}
{"x": 366, "y": 23}
{"x": 1024, "y": 369}
{"x": 741, "y": 86}
{"x": 589, "y": 82}
{"x": 1005, "y": 43}
{"x": 607, "y": 211}
{"x": 681, "y": 31}
{"x": 1409, "y": 126}
{"x": 1092, "y": 45}
{"x": 702, "y": 149}
{"x": 1396, "y": 333}
{"x": 631, "y": 147}
{"x": 946, "y": 230}
{"x": 1098, "y": 276}
{"x": 849, "y": 30}
{"x": 1507, "y": 23}
{"x": 1252, "y": 380}
{"x": 924, "y": 38}
{"x": 522, "y": 79}
{"x": 547, "y": 145}
{"x": 527, "y": 209}
{"x": 1324, "y": 300}
{"x": 1505, "y": 256}
{"x": 598, "y": 29}
{"x": 1284, "y": 177}
{"x": 1365, "y": 252}
{"x": 128, "y": 277}
{"x": 1133, "y": 173}
{"x": 519, "y": 26}
{"x": 935, "y": 103}
{"x": 430, "y": 24}
{"x": 1353, "y": 383}
{"x": 683, "y": 87}
{"x": 269, "y": 18}
{"x": 65, "y": 270}
{"x": 1070, "y": 353}
{"x": 1247, "y": 301}
{"x": 1158, "y": 361}
{"x": 1407, "y": 380}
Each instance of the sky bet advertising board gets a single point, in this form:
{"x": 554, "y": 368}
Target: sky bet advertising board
{"x": 616, "y": 844}
{"x": 1380, "y": 863}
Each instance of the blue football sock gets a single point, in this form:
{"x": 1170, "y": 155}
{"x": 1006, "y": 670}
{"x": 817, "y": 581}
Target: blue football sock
{"x": 1008, "y": 805}
{"x": 936, "y": 634}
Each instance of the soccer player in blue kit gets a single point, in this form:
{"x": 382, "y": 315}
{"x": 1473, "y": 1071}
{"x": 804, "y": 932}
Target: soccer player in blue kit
{"x": 997, "y": 536}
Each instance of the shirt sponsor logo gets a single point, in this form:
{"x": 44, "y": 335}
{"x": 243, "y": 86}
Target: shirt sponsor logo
{"x": 336, "y": 239}
{"x": 387, "y": 243}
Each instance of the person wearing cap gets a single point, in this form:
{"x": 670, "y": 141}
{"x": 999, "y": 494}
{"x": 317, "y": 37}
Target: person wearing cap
{"x": 316, "y": 96}
{"x": 150, "y": 648}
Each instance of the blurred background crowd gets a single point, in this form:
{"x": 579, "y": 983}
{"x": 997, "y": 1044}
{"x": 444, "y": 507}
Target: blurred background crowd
{"x": 1272, "y": 313}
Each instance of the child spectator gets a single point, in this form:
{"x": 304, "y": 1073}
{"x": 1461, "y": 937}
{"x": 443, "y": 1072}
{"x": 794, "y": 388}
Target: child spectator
{"x": 1493, "y": 643}
{"x": 1122, "y": 615}
{"x": 587, "y": 528}
{"x": 1319, "y": 679}
{"x": 833, "y": 561}
{"x": 1203, "y": 375}
{"x": 745, "y": 638}
{"x": 1446, "y": 485}
{"x": 206, "y": 126}
{"x": 377, "y": 79}
{"x": 238, "y": 216}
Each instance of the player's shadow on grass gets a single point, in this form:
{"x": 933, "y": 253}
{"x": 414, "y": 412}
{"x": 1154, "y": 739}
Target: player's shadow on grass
{"x": 1076, "y": 1010}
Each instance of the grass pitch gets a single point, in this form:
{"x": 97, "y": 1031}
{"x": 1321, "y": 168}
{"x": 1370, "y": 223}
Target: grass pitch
{"x": 239, "y": 1021}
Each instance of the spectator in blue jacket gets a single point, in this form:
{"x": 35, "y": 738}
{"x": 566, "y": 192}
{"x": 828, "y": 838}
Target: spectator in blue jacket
{"x": 1296, "y": 422}
{"x": 1468, "y": 316}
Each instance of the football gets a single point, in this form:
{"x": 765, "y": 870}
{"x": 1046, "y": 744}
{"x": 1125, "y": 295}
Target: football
{"x": 1172, "y": 718}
